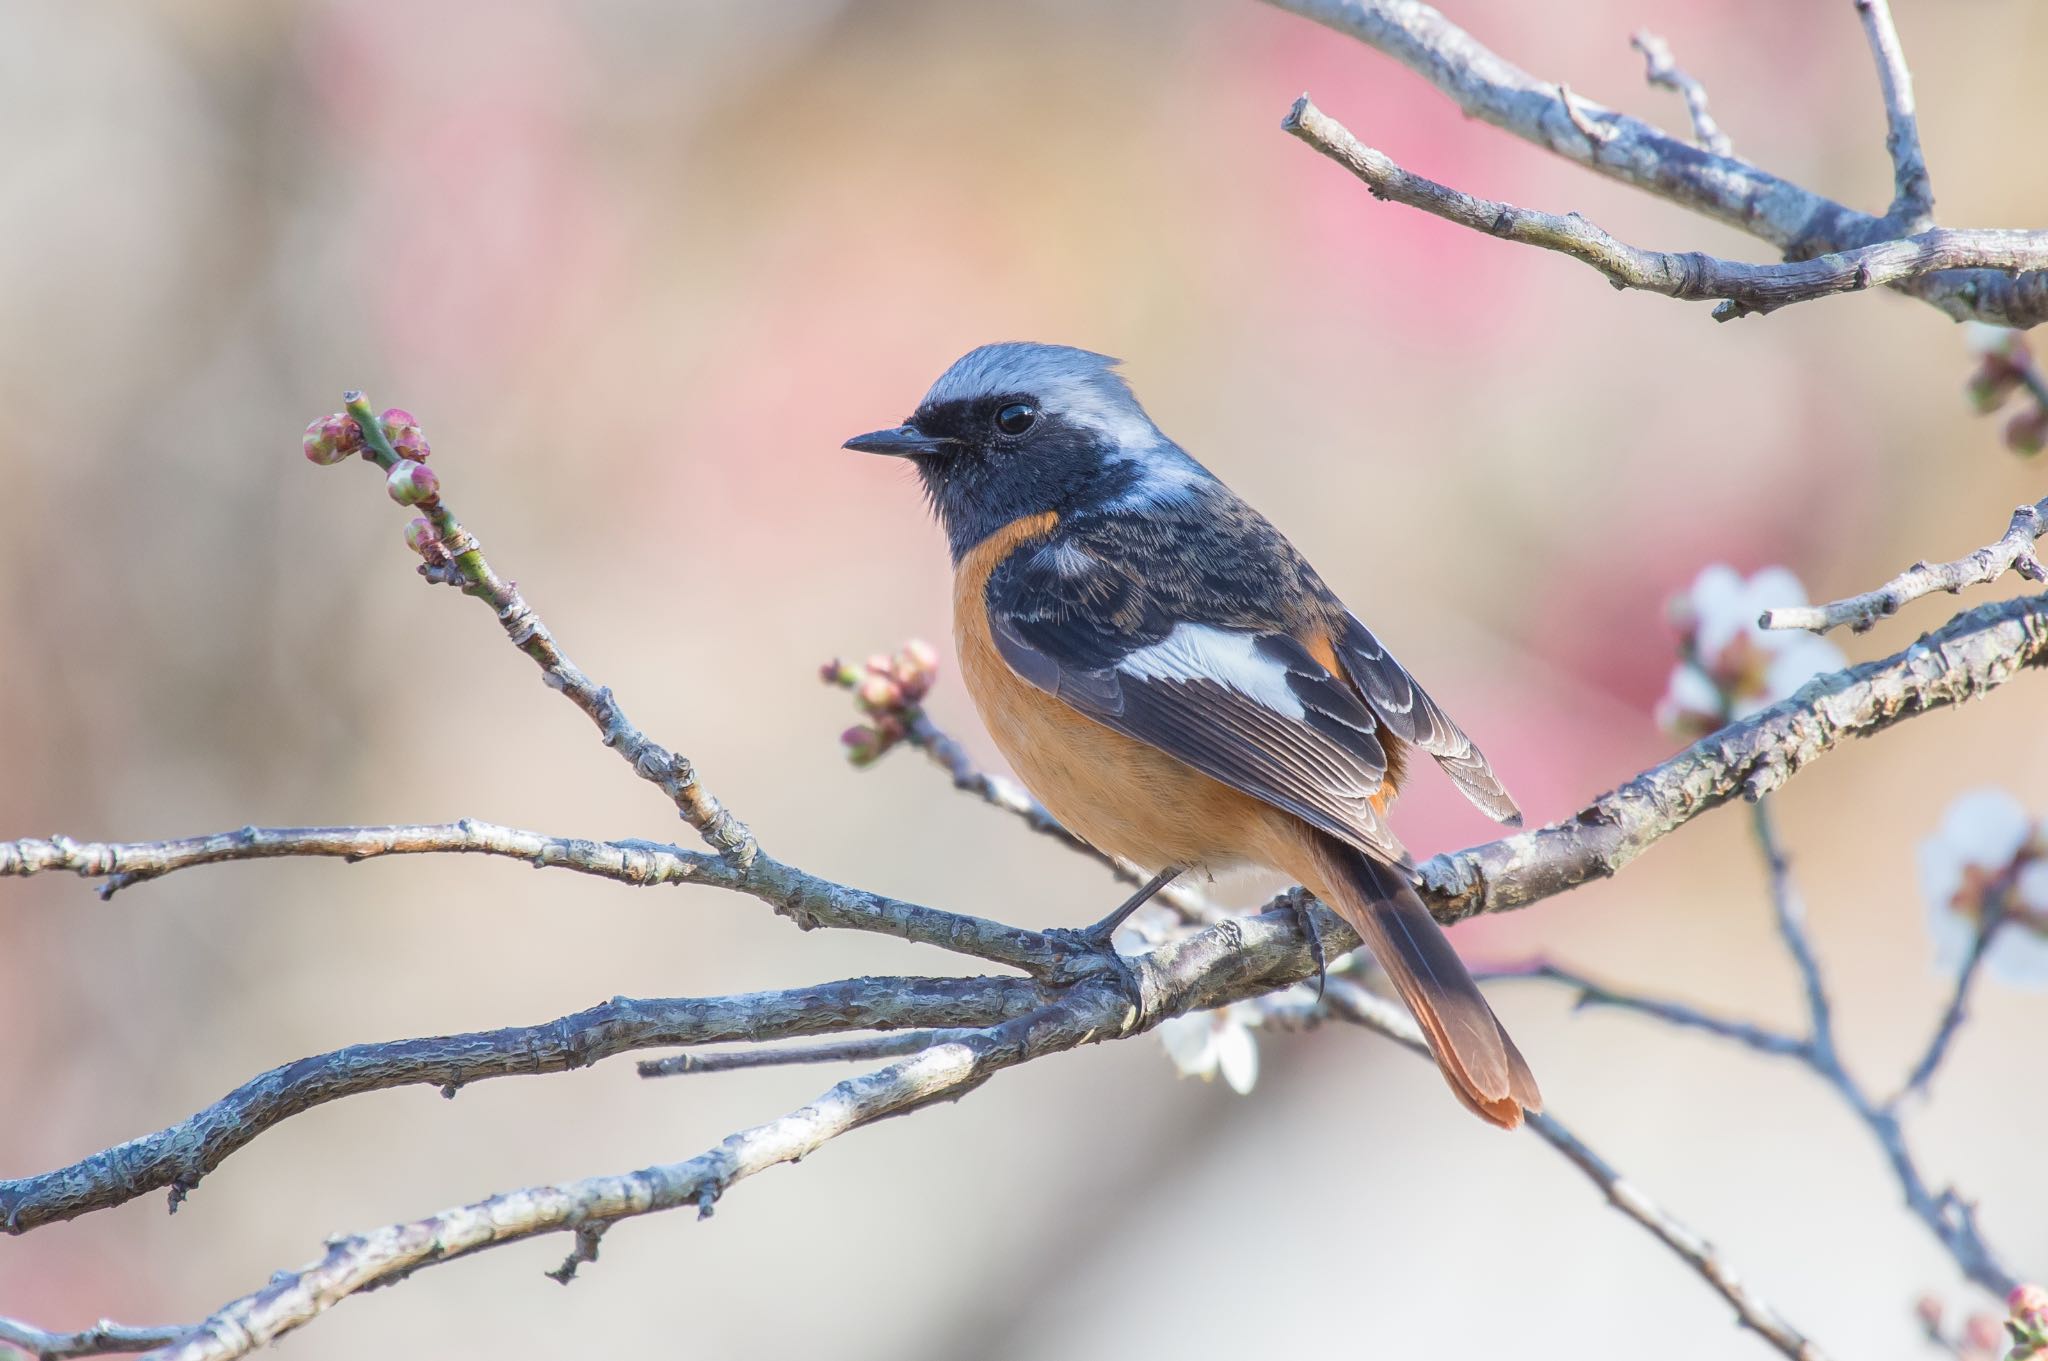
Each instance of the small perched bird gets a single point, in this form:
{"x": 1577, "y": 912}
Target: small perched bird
{"x": 1174, "y": 681}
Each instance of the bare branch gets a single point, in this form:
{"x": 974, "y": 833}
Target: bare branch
{"x": 102, "y": 1339}
{"x": 1351, "y": 1002}
{"x": 1952, "y": 1016}
{"x": 1594, "y": 994}
{"x": 1686, "y": 275}
{"x": 122, "y": 863}
{"x": 859, "y": 1049}
{"x": 1971, "y": 654}
{"x": 1799, "y": 222}
{"x": 1660, "y": 68}
{"x": 1912, "y": 207}
{"x": 1950, "y": 1218}
{"x": 360, "y": 1261}
{"x": 2014, "y": 551}
{"x": 458, "y": 558}
{"x": 178, "y": 1156}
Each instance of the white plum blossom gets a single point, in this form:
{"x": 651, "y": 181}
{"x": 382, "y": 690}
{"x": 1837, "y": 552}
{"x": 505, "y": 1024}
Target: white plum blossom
{"x": 1205, "y": 1043}
{"x": 1730, "y": 667}
{"x": 1988, "y": 861}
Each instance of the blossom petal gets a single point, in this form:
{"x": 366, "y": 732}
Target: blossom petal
{"x": 2030, "y": 886}
{"x": 1237, "y": 1056}
{"x": 1986, "y": 828}
{"x": 1190, "y": 1042}
{"x": 2018, "y": 957}
{"x": 1720, "y": 608}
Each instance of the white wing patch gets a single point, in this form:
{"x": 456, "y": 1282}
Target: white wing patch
{"x": 1201, "y": 652}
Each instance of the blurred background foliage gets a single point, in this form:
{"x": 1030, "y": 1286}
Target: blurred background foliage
{"x": 639, "y": 268}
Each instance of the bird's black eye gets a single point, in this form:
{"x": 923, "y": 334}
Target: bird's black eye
{"x": 1016, "y": 418}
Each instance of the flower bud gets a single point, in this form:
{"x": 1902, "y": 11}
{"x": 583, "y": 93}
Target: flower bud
{"x": 332, "y": 439}
{"x": 2027, "y": 1299}
{"x": 879, "y": 694}
{"x": 420, "y": 534}
{"x": 863, "y": 744}
{"x": 1991, "y": 383}
{"x": 2027, "y": 433}
{"x": 1929, "y": 1310}
{"x": 410, "y": 443}
{"x": 411, "y": 483}
{"x": 891, "y": 729}
{"x": 922, "y": 653}
{"x": 396, "y": 418}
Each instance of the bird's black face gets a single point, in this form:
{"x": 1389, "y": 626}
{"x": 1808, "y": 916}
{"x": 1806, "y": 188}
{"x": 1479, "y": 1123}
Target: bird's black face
{"x": 988, "y": 460}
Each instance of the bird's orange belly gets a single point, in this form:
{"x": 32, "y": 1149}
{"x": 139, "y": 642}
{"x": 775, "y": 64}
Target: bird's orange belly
{"x": 1118, "y": 794}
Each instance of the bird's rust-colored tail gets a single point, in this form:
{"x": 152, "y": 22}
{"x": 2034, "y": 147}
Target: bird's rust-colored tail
{"x": 1478, "y": 1059}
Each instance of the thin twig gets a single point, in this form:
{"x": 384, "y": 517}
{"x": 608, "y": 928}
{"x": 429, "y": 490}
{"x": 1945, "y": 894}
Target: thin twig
{"x": 1951, "y": 1219}
{"x": 1356, "y": 1004}
{"x": 1799, "y": 223}
{"x": 1742, "y": 288}
{"x": 458, "y": 553}
{"x": 1912, "y": 207}
{"x": 1661, "y": 69}
{"x": 1595, "y": 994}
{"x": 1952, "y": 1016}
{"x": 2014, "y": 551}
{"x": 359, "y": 1261}
{"x": 179, "y": 1155}
{"x": 1788, "y": 910}
{"x": 859, "y": 1049}
{"x": 102, "y": 1339}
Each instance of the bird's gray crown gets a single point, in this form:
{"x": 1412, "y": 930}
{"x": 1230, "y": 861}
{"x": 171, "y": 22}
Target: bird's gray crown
{"x": 1079, "y": 385}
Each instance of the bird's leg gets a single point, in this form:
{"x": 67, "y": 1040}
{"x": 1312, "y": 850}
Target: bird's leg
{"x": 1105, "y": 929}
{"x": 1100, "y": 938}
{"x": 1305, "y": 916}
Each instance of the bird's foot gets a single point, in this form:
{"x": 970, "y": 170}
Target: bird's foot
{"x": 1099, "y": 941}
{"x": 1305, "y": 916}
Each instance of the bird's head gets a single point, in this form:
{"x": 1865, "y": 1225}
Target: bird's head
{"x": 1019, "y": 429}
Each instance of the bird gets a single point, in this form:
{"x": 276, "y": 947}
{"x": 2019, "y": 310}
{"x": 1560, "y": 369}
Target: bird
{"x": 1170, "y": 677}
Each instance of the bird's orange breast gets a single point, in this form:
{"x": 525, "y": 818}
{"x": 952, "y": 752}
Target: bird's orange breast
{"x": 1118, "y": 794}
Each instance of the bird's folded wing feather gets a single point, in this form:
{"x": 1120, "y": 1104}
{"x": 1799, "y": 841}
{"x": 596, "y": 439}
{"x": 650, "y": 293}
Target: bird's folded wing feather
{"x": 1250, "y": 708}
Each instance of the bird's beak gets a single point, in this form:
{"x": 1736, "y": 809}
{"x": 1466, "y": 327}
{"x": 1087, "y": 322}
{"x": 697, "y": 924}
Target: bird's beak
{"x": 904, "y": 441}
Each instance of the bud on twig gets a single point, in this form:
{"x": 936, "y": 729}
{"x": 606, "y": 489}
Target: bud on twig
{"x": 411, "y": 483}
{"x": 332, "y": 438}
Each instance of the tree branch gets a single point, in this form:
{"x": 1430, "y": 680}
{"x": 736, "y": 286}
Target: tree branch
{"x": 1351, "y": 1002}
{"x": 102, "y": 1339}
{"x": 1594, "y": 994}
{"x": 179, "y": 1155}
{"x": 1912, "y": 207}
{"x": 1661, "y": 69}
{"x": 2014, "y": 550}
{"x": 1951, "y": 1219}
{"x": 1799, "y": 222}
{"x": 1686, "y": 275}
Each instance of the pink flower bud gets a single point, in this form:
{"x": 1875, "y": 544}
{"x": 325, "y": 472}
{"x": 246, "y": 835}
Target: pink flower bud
{"x": 332, "y": 439}
{"x": 922, "y": 653}
{"x": 408, "y": 442}
{"x": 2027, "y": 1299}
{"x": 420, "y": 534}
{"x": 891, "y": 729}
{"x": 1991, "y": 383}
{"x": 396, "y": 418}
{"x": 877, "y": 664}
{"x": 1984, "y": 1333}
{"x": 2027, "y": 433}
{"x": 411, "y": 483}
{"x": 862, "y": 744}
{"x": 878, "y": 694}
{"x": 1929, "y": 1310}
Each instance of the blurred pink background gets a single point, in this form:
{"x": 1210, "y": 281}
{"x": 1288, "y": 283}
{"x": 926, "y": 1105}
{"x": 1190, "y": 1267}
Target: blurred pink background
{"x": 639, "y": 268}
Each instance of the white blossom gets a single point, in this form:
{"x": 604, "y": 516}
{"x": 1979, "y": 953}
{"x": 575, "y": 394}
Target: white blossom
{"x": 1733, "y": 668}
{"x": 1205, "y": 1043}
{"x": 1988, "y": 855}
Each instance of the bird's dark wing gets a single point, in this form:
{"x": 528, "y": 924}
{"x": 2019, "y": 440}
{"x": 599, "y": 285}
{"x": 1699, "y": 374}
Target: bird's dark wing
{"x": 1413, "y": 717}
{"x": 1251, "y": 708}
